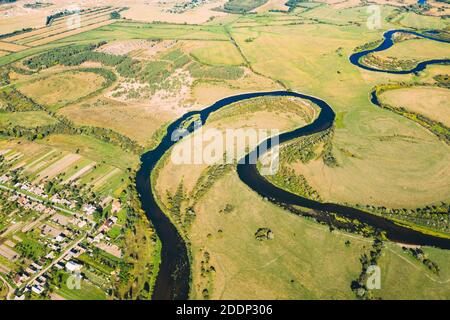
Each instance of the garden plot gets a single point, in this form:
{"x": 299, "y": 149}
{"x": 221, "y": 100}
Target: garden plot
{"x": 58, "y": 167}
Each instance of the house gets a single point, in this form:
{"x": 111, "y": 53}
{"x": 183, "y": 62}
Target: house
{"x": 98, "y": 237}
{"x": 81, "y": 224}
{"x": 73, "y": 266}
{"x": 36, "y": 266}
{"x": 37, "y": 289}
{"x": 116, "y": 206}
{"x": 89, "y": 209}
{"x": 60, "y": 238}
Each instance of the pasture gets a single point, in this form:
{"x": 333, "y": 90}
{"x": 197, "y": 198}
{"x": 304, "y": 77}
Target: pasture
{"x": 431, "y": 102}
{"x": 28, "y": 119}
{"x": 61, "y": 89}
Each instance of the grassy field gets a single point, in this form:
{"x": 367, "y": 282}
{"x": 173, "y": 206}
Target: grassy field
{"x": 241, "y": 6}
{"x": 86, "y": 292}
{"x": 428, "y": 101}
{"x": 418, "y": 49}
{"x": 137, "y": 121}
{"x": 317, "y": 261}
{"x": 60, "y": 89}
{"x": 136, "y": 30}
{"x": 387, "y": 147}
{"x": 29, "y": 119}
{"x": 221, "y": 53}
{"x": 413, "y": 20}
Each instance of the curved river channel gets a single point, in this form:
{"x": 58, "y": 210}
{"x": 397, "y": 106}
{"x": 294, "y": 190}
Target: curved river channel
{"x": 174, "y": 274}
{"x": 389, "y": 42}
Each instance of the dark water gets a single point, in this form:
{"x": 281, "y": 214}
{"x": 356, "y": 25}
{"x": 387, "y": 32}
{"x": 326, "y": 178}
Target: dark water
{"x": 173, "y": 279}
{"x": 388, "y": 42}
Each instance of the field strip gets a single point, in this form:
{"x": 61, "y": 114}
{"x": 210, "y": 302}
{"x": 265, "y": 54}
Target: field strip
{"x": 19, "y": 165}
{"x": 57, "y": 167}
{"x": 64, "y": 29}
{"x": 56, "y": 23}
{"x": 16, "y": 157}
{"x": 100, "y": 181}
{"x": 7, "y": 252}
{"x": 40, "y": 159}
{"x": 31, "y": 225}
{"x": 4, "y": 151}
{"x": 80, "y": 173}
{"x": 4, "y": 269}
{"x": 43, "y": 164}
{"x": 12, "y": 229}
{"x": 12, "y": 47}
{"x": 93, "y": 12}
{"x": 12, "y": 156}
{"x": 51, "y": 31}
{"x": 90, "y": 13}
{"x": 71, "y": 32}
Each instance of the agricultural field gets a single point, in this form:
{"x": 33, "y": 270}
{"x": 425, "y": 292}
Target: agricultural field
{"x": 87, "y": 98}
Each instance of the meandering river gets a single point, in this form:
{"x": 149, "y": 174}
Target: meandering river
{"x": 389, "y": 42}
{"x": 174, "y": 276}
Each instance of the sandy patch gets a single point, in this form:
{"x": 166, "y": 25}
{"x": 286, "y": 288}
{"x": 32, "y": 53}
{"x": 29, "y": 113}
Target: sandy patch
{"x": 8, "y": 253}
{"x": 138, "y": 49}
{"x": 12, "y": 47}
{"x": 173, "y": 100}
{"x": 111, "y": 249}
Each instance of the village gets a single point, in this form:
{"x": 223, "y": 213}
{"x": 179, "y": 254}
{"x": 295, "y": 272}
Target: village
{"x": 52, "y": 246}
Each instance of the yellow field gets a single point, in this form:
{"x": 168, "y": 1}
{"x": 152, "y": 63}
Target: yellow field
{"x": 136, "y": 121}
{"x": 219, "y": 53}
{"x": 82, "y": 29}
{"x": 206, "y": 93}
{"x": 431, "y": 102}
{"x": 419, "y": 49}
{"x": 62, "y": 88}
{"x": 412, "y": 159}
{"x": 25, "y": 119}
{"x": 57, "y": 26}
{"x": 12, "y": 47}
